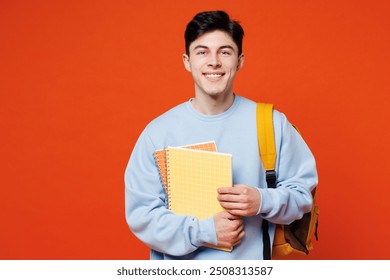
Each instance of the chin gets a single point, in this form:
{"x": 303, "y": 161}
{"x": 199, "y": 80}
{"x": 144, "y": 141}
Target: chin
{"x": 215, "y": 92}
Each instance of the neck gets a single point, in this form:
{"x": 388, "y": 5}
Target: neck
{"x": 213, "y": 105}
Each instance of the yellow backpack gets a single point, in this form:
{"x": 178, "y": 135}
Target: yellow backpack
{"x": 297, "y": 236}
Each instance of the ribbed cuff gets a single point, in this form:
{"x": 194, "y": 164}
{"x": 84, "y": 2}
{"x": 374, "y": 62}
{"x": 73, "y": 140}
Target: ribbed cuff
{"x": 265, "y": 201}
{"x": 207, "y": 231}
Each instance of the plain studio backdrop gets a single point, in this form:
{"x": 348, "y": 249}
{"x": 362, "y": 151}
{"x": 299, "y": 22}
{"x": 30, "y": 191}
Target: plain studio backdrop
{"x": 79, "y": 80}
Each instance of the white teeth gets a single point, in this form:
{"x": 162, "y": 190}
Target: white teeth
{"x": 213, "y": 75}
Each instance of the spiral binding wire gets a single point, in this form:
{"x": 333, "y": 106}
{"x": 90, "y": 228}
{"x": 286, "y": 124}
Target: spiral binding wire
{"x": 159, "y": 159}
{"x": 168, "y": 178}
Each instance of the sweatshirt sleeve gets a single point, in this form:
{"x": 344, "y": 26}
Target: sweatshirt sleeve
{"x": 146, "y": 211}
{"x": 296, "y": 176}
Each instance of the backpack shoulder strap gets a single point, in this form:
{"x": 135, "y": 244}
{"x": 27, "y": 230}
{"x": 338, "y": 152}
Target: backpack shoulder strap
{"x": 266, "y": 140}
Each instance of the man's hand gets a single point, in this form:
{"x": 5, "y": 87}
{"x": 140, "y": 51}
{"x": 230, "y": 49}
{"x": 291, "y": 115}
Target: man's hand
{"x": 229, "y": 228}
{"x": 240, "y": 200}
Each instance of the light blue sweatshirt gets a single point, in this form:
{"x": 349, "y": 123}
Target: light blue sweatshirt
{"x": 172, "y": 236}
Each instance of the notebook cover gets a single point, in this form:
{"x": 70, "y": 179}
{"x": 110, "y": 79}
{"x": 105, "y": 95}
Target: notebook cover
{"x": 193, "y": 178}
{"x": 160, "y": 158}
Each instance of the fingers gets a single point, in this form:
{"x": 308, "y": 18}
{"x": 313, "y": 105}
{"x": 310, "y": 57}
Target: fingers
{"x": 240, "y": 200}
{"x": 238, "y": 193}
{"x": 234, "y": 241}
{"x": 239, "y": 237}
{"x": 230, "y": 216}
{"x": 231, "y": 238}
{"x": 235, "y": 209}
{"x": 235, "y": 203}
{"x": 243, "y": 213}
{"x": 229, "y": 229}
{"x": 234, "y": 237}
{"x": 235, "y": 190}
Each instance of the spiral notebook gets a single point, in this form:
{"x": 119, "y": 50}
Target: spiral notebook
{"x": 193, "y": 177}
{"x": 160, "y": 158}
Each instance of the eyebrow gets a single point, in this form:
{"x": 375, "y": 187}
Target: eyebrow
{"x": 221, "y": 47}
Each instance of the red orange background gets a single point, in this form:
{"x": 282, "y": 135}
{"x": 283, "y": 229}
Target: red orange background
{"x": 79, "y": 80}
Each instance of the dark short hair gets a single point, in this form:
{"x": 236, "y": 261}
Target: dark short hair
{"x": 210, "y": 21}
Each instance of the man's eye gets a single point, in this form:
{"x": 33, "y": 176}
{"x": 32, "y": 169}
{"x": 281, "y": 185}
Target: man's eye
{"x": 201, "y": 52}
{"x": 225, "y": 53}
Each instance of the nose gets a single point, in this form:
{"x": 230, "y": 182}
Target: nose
{"x": 214, "y": 60}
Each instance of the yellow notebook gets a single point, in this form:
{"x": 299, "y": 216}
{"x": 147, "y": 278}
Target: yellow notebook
{"x": 160, "y": 157}
{"x": 193, "y": 177}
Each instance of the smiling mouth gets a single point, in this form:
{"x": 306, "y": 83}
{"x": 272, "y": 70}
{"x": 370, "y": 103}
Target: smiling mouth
{"x": 214, "y": 75}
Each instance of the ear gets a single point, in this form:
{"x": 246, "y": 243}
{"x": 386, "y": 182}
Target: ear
{"x": 241, "y": 60}
{"x": 186, "y": 61}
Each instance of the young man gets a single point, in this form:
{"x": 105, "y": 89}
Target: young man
{"x": 213, "y": 57}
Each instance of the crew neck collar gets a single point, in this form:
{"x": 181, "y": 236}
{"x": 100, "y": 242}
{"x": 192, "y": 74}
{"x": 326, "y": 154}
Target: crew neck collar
{"x": 216, "y": 117}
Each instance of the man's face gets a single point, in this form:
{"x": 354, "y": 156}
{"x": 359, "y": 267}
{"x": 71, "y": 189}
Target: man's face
{"x": 213, "y": 62}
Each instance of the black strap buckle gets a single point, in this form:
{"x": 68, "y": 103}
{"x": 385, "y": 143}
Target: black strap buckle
{"x": 270, "y": 177}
